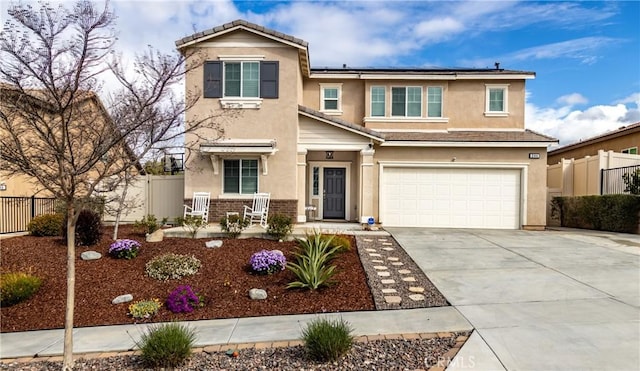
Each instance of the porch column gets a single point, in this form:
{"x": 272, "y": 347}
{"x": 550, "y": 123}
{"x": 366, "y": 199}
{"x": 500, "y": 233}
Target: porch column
{"x": 302, "y": 185}
{"x": 366, "y": 182}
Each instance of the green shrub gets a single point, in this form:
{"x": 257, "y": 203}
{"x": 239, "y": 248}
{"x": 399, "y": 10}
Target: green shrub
{"x": 279, "y": 226}
{"x": 632, "y": 182}
{"x": 88, "y": 228}
{"x": 326, "y": 339}
{"x": 167, "y": 345}
{"x": 615, "y": 213}
{"x": 192, "y": 223}
{"x": 312, "y": 267}
{"x": 342, "y": 242}
{"x": 46, "y": 225}
{"x": 233, "y": 225}
{"x": 172, "y": 266}
{"x": 144, "y": 308}
{"x": 149, "y": 224}
{"x": 17, "y": 286}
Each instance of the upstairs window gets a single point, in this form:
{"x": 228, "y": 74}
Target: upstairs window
{"x": 377, "y": 101}
{"x": 330, "y": 98}
{"x": 434, "y": 101}
{"x": 631, "y": 151}
{"x": 406, "y": 101}
{"x": 497, "y": 100}
{"x": 241, "y": 79}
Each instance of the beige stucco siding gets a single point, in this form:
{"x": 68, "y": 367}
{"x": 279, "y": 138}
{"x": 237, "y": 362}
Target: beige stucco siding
{"x": 276, "y": 119}
{"x": 534, "y": 185}
{"x": 613, "y": 144}
{"x": 351, "y": 98}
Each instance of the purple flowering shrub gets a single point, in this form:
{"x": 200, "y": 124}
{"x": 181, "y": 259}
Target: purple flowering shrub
{"x": 184, "y": 299}
{"x": 267, "y": 262}
{"x": 124, "y": 249}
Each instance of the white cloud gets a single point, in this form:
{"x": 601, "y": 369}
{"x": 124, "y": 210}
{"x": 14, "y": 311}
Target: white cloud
{"x": 570, "y": 125}
{"x": 572, "y": 99}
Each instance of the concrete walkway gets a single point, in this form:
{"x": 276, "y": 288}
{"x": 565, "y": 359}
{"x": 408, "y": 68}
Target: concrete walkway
{"x": 109, "y": 339}
{"x": 563, "y": 300}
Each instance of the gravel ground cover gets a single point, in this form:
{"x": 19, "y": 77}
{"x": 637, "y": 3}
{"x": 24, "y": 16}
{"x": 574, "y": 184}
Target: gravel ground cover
{"x": 397, "y": 354}
{"x": 410, "y": 283}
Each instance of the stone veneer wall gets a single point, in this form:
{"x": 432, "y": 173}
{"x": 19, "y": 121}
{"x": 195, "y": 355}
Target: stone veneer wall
{"x": 219, "y": 207}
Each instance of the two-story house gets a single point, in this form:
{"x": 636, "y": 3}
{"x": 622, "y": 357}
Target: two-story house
{"x": 405, "y": 146}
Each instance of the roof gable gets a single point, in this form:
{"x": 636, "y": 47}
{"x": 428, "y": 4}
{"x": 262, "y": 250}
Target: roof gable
{"x": 242, "y": 25}
{"x": 625, "y": 130}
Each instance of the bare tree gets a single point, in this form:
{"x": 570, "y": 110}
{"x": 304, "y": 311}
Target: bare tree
{"x": 55, "y": 129}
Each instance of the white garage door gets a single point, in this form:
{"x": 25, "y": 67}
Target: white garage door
{"x": 451, "y": 198}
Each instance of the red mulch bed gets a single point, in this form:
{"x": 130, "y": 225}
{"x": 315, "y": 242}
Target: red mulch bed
{"x": 224, "y": 279}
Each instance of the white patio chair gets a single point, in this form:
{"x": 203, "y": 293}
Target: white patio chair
{"x": 199, "y": 205}
{"x": 260, "y": 209}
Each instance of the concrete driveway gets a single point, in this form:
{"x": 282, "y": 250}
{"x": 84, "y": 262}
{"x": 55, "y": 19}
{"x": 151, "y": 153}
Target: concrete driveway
{"x": 565, "y": 300}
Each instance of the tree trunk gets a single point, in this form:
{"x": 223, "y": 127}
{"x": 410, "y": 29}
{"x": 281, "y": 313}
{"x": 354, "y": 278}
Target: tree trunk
{"x": 67, "y": 359}
{"x": 121, "y": 205}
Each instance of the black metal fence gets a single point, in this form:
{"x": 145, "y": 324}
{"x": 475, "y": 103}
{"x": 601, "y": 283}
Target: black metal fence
{"x": 17, "y": 212}
{"x": 612, "y": 180}
{"x": 174, "y": 163}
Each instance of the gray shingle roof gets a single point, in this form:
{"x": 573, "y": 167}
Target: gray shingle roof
{"x": 470, "y": 136}
{"x": 241, "y": 22}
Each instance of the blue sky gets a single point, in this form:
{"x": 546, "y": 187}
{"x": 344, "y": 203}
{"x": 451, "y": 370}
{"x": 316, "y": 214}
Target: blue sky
{"x": 586, "y": 54}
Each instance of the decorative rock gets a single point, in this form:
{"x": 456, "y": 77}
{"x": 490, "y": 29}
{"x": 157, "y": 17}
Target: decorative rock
{"x": 393, "y": 299}
{"x": 367, "y": 240}
{"x": 387, "y": 244}
{"x": 404, "y": 271}
{"x": 382, "y": 239}
{"x": 277, "y": 252}
{"x": 416, "y": 297}
{"x": 380, "y": 267}
{"x": 90, "y": 255}
{"x": 409, "y": 279}
{"x": 370, "y": 250}
{"x": 375, "y": 255}
{"x": 257, "y": 294}
{"x": 393, "y": 258}
{"x": 388, "y": 248}
{"x": 416, "y": 289}
{"x": 397, "y": 264}
{"x": 213, "y": 244}
{"x": 122, "y": 299}
{"x": 384, "y": 274}
{"x": 156, "y": 236}
{"x": 388, "y": 282}
{"x": 389, "y": 291}
{"x": 377, "y": 261}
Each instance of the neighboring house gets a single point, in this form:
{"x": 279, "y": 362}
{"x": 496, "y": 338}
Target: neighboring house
{"x": 405, "y": 146}
{"x": 623, "y": 140}
{"x": 90, "y": 112}
{"x": 587, "y": 167}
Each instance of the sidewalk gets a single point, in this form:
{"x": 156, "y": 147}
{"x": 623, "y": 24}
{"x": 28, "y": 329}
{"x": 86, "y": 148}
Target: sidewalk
{"x": 109, "y": 339}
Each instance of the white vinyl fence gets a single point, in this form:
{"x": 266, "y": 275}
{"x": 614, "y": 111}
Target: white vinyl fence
{"x": 160, "y": 195}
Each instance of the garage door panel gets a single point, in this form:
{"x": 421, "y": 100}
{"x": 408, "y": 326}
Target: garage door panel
{"x": 448, "y": 197}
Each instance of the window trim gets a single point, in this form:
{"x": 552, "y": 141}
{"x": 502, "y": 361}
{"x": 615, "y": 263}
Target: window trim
{"x": 338, "y": 110}
{"x": 406, "y": 101}
{"x": 240, "y": 194}
{"x": 628, "y": 151}
{"x": 505, "y": 100}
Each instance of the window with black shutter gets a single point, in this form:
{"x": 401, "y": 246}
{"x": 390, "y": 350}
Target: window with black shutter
{"x": 269, "y": 79}
{"x": 212, "y": 79}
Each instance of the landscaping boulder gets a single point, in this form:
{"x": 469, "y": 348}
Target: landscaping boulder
{"x": 257, "y": 294}
{"x": 156, "y": 236}
{"x": 213, "y": 244}
{"x": 122, "y": 299}
{"x": 90, "y": 255}
{"x": 277, "y": 252}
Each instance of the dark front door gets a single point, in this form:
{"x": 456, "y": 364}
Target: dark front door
{"x": 333, "y": 205}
